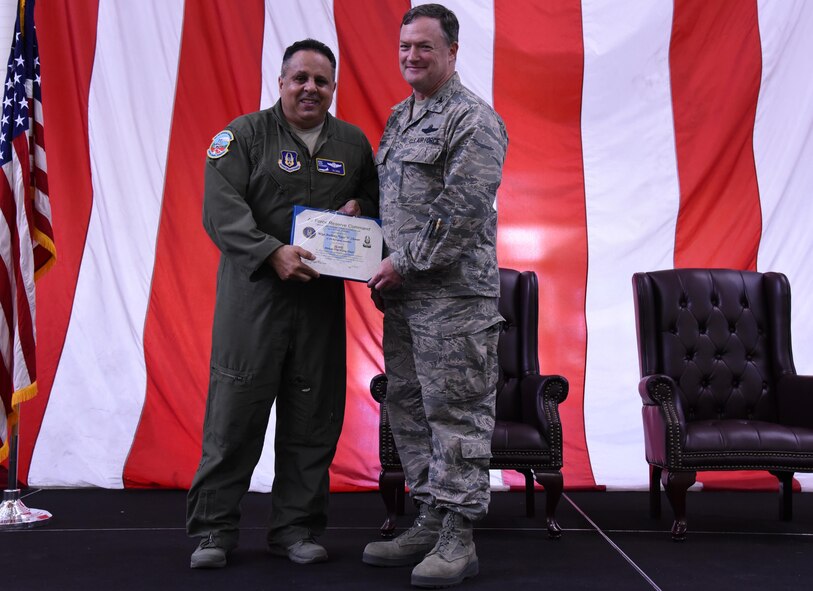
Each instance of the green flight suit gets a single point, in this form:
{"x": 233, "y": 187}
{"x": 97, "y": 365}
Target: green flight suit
{"x": 274, "y": 340}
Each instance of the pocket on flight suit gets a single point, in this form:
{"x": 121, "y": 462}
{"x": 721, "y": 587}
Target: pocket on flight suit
{"x": 236, "y": 407}
{"x": 297, "y": 408}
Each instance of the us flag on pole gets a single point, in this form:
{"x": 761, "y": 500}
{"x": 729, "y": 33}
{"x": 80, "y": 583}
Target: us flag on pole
{"x": 26, "y": 235}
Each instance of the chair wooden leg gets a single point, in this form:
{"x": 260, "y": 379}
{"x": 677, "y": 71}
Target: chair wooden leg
{"x": 553, "y": 483}
{"x": 676, "y": 485}
{"x": 654, "y": 491}
{"x": 400, "y": 495}
{"x": 391, "y": 487}
{"x": 785, "y": 495}
{"x": 530, "y": 498}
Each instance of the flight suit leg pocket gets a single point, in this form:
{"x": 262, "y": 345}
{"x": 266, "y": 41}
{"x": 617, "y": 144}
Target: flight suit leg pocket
{"x": 236, "y": 407}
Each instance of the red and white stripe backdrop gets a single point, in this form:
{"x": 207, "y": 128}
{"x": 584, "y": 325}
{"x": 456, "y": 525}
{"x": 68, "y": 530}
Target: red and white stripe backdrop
{"x": 643, "y": 135}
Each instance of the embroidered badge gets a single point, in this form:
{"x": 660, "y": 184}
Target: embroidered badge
{"x": 430, "y": 129}
{"x": 330, "y": 166}
{"x": 289, "y": 161}
{"x": 220, "y": 144}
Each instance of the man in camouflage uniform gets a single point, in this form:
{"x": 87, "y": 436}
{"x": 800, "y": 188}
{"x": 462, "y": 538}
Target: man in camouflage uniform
{"x": 279, "y": 328}
{"x": 439, "y": 163}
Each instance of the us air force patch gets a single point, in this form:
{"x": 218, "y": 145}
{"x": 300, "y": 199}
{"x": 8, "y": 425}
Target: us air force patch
{"x": 220, "y": 144}
{"x": 330, "y": 166}
{"x": 289, "y": 161}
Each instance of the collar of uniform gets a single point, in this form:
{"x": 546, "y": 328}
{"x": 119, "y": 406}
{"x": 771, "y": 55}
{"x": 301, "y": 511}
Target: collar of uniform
{"x": 276, "y": 111}
{"x": 441, "y": 97}
{"x": 436, "y": 102}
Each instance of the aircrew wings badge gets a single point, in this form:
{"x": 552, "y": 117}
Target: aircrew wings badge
{"x": 220, "y": 144}
{"x": 330, "y": 166}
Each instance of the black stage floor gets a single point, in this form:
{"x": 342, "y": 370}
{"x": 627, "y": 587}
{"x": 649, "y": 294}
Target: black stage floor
{"x": 127, "y": 540}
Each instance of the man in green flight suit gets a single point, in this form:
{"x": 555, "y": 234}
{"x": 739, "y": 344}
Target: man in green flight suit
{"x": 279, "y": 328}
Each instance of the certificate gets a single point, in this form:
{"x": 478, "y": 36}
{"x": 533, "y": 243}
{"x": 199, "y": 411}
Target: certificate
{"x": 344, "y": 246}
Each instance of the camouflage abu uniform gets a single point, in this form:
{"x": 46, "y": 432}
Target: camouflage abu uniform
{"x": 438, "y": 172}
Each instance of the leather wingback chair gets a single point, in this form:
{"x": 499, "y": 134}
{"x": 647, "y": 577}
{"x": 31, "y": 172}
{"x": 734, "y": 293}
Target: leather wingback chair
{"x": 718, "y": 384}
{"x": 528, "y": 432}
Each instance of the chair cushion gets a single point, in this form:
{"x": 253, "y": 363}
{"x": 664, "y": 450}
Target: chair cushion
{"x": 741, "y": 435}
{"x": 735, "y": 444}
{"x": 510, "y": 435}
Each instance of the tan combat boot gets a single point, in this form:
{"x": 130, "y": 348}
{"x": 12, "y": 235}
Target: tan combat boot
{"x": 411, "y": 546}
{"x": 452, "y": 559}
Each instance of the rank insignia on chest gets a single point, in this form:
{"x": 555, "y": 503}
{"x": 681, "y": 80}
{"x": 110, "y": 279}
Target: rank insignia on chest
{"x": 289, "y": 161}
{"x": 330, "y": 166}
{"x": 220, "y": 144}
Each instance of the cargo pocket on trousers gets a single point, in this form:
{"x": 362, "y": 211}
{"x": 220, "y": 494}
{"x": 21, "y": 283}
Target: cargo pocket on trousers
{"x": 231, "y": 414}
{"x": 474, "y": 450}
{"x": 462, "y": 363}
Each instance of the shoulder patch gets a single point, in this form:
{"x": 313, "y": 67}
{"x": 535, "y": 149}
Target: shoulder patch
{"x": 220, "y": 144}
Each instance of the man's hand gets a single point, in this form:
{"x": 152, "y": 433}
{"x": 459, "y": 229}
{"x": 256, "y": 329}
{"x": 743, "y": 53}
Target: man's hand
{"x": 386, "y": 277}
{"x": 287, "y": 262}
{"x": 351, "y": 208}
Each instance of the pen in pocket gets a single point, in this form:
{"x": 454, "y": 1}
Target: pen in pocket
{"x": 434, "y": 226}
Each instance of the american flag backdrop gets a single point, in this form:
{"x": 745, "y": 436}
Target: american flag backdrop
{"x": 643, "y": 135}
{"x": 26, "y": 236}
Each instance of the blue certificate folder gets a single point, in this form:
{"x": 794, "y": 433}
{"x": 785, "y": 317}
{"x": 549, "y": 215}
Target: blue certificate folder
{"x": 345, "y": 246}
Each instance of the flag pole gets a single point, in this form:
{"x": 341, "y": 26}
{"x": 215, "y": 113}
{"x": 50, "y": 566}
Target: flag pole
{"x": 13, "y": 512}
{"x": 25, "y": 165}
{"x": 22, "y": 83}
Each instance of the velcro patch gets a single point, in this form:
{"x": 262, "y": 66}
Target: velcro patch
{"x": 289, "y": 161}
{"x": 220, "y": 144}
{"x": 330, "y": 166}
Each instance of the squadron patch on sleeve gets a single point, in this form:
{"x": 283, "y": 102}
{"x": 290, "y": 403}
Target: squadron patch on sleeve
{"x": 220, "y": 144}
{"x": 330, "y": 166}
